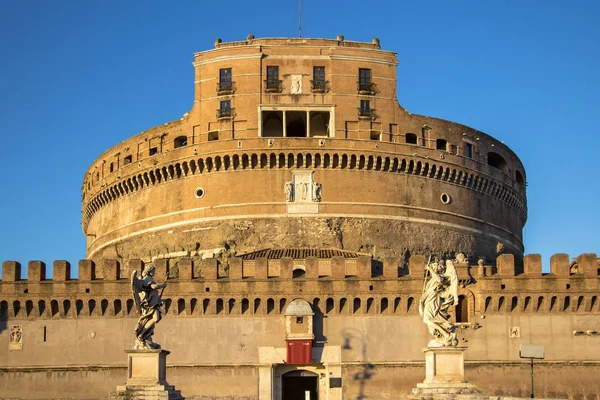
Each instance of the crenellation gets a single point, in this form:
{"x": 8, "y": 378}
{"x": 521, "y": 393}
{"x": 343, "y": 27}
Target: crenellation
{"x": 560, "y": 265}
{"x": 364, "y": 266}
{"x": 312, "y": 267}
{"x": 416, "y": 266}
{"x": 11, "y": 271}
{"x": 209, "y": 269}
{"x": 391, "y": 267}
{"x": 36, "y": 271}
{"x": 532, "y": 265}
{"x": 133, "y": 265}
{"x": 62, "y": 271}
{"x": 235, "y": 269}
{"x": 588, "y": 264}
{"x": 338, "y": 267}
{"x": 161, "y": 269}
{"x": 86, "y": 270}
{"x": 505, "y": 264}
{"x": 286, "y": 268}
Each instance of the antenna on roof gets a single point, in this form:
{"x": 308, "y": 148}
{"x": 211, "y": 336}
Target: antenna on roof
{"x": 299, "y": 18}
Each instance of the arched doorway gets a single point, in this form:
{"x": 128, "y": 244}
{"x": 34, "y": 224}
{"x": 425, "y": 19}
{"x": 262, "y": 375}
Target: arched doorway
{"x": 299, "y": 385}
{"x": 462, "y": 310}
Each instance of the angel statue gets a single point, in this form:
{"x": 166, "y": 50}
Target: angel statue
{"x": 148, "y": 303}
{"x": 439, "y": 293}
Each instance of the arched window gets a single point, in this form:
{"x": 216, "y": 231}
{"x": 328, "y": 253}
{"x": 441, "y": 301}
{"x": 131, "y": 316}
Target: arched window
{"x": 270, "y": 306}
{"x": 298, "y": 272}
{"x": 104, "y": 306}
{"x": 54, "y": 308}
{"x": 180, "y": 141}
{"x": 497, "y": 161}
{"x": 28, "y": 307}
{"x": 384, "y": 305}
{"x": 519, "y": 178}
{"x": 79, "y": 307}
{"x": 462, "y": 310}
{"x": 180, "y": 306}
{"x": 356, "y": 306}
{"x": 66, "y": 307}
{"x": 488, "y": 303}
{"x": 219, "y": 306}
{"x": 411, "y": 138}
{"x": 329, "y": 305}
{"x": 342, "y": 304}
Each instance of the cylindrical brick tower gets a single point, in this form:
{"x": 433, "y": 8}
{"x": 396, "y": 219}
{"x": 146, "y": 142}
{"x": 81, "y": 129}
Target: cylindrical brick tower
{"x": 301, "y": 143}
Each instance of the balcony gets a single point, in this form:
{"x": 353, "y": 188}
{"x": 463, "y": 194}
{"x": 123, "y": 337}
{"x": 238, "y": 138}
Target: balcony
{"x": 319, "y": 86}
{"x": 366, "y": 113}
{"x": 224, "y": 88}
{"x": 225, "y": 113}
{"x": 273, "y": 86}
{"x": 368, "y": 88}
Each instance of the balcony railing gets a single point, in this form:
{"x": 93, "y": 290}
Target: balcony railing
{"x": 319, "y": 86}
{"x": 273, "y": 86}
{"x": 366, "y": 113}
{"x": 367, "y": 88}
{"x": 225, "y": 87}
{"x": 225, "y": 113}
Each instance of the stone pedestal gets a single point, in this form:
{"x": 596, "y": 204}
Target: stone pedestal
{"x": 445, "y": 376}
{"x": 146, "y": 377}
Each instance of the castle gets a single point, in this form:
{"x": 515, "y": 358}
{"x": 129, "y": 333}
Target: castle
{"x": 292, "y": 211}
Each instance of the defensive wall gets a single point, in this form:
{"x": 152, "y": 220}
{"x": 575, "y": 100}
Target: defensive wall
{"x": 221, "y": 319}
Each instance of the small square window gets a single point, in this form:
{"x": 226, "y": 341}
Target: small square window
{"x": 213, "y": 136}
{"x": 299, "y": 320}
{"x": 127, "y": 160}
{"x": 153, "y": 151}
{"x": 441, "y": 144}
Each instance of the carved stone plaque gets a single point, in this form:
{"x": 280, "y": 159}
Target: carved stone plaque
{"x": 514, "y": 332}
{"x": 296, "y": 86}
{"x": 302, "y": 193}
{"x": 16, "y": 337}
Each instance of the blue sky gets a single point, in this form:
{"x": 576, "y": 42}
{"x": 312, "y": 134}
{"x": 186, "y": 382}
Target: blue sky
{"x": 79, "y": 76}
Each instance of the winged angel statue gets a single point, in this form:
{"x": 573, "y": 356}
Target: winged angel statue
{"x": 148, "y": 302}
{"x": 439, "y": 293}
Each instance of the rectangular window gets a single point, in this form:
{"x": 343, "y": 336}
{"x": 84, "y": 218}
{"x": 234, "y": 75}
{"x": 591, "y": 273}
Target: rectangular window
{"x": 127, "y": 160}
{"x": 225, "y": 82}
{"x": 468, "y": 150}
{"x": 213, "y": 136}
{"x": 365, "y": 108}
{"x": 441, "y": 144}
{"x": 225, "y": 109}
{"x": 112, "y": 167}
{"x": 272, "y": 77}
{"x": 318, "y": 83}
{"x": 153, "y": 151}
{"x": 364, "y": 80}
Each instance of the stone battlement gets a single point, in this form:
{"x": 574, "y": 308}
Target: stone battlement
{"x": 263, "y": 285}
{"x": 586, "y": 265}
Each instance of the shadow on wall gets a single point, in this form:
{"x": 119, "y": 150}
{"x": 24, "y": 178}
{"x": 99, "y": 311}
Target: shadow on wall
{"x": 367, "y": 370}
{"x": 318, "y": 317}
{"x": 3, "y": 316}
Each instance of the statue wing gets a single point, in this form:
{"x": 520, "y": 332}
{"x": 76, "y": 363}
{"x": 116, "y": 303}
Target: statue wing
{"x": 136, "y": 288}
{"x": 453, "y": 277}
